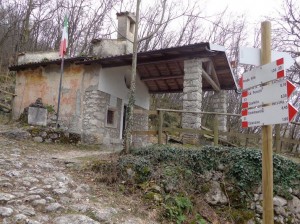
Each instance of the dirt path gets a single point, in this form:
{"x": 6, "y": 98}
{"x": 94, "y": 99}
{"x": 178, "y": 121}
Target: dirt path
{"x": 36, "y": 186}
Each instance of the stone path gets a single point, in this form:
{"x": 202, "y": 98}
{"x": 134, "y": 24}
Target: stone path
{"x": 36, "y": 188}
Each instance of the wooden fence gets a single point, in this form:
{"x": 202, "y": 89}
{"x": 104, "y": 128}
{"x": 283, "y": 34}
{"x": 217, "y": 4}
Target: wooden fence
{"x": 215, "y": 133}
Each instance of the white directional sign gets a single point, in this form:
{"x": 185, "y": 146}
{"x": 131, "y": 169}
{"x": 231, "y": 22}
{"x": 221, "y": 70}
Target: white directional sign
{"x": 263, "y": 74}
{"x": 277, "y": 113}
{"x": 265, "y": 95}
{"x": 251, "y": 56}
{"x": 279, "y": 90}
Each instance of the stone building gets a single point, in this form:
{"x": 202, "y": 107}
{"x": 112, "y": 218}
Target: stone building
{"x": 95, "y": 87}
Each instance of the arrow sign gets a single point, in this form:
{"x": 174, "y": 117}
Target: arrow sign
{"x": 277, "y": 91}
{"x": 263, "y": 74}
{"x": 290, "y": 88}
{"x": 277, "y": 113}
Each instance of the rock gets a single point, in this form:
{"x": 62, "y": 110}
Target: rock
{"x": 6, "y": 185}
{"x": 207, "y": 175}
{"x": 221, "y": 167}
{"x": 60, "y": 191}
{"x": 80, "y": 208}
{"x": 74, "y": 219}
{"x": 31, "y": 198}
{"x": 4, "y": 197}
{"x": 53, "y": 207}
{"x": 83, "y": 188}
{"x": 215, "y": 195}
{"x": 279, "y": 201}
{"x": 28, "y": 221}
{"x": 16, "y": 134}
{"x": 38, "y": 139}
{"x": 252, "y": 221}
{"x": 12, "y": 173}
{"x": 37, "y": 191}
{"x": 39, "y": 202}
{"x": 61, "y": 177}
{"x": 50, "y": 199}
{"x": 5, "y": 212}
{"x": 279, "y": 219}
{"x": 133, "y": 221}
{"x": 294, "y": 205}
{"x": 259, "y": 209}
{"x": 26, "y": 210}
{"x": 105, "y": 214}
{"x": 30, "y": 179}
{"x": 20, "y": 217}
{"x": 280, "y": 211}
{"x": 256, "y": 197}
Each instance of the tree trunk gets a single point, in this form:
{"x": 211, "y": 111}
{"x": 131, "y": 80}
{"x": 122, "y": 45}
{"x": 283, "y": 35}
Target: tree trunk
{"x": 128, "y": 129}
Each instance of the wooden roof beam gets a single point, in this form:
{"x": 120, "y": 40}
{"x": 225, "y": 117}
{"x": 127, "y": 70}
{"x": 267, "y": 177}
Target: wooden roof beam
{"x": 162, "y": 78}
{"x": 211, "y": 81}
{"x": 212, "y": 71}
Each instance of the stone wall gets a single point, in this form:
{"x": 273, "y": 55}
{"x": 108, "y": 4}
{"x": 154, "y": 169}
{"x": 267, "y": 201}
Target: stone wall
{"x": 219, "y": 104}
{"x": 95, "y": 128}
{"x": 192, "y": 98}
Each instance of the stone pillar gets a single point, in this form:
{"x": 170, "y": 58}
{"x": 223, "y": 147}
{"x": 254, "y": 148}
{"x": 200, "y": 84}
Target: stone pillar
{"x": 192, "y": 98}
{"x": 140, "y": 123}
{"x": 219, "y": 103}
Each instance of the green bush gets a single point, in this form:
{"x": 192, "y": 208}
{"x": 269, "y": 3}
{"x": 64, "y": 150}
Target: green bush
{"x": 178, "y": 171}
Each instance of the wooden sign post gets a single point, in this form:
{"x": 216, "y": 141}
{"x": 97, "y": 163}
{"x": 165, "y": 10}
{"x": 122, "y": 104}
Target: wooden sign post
{"x": 267, "y": 153}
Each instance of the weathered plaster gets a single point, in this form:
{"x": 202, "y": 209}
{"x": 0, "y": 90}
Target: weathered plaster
{"x": 43, "y": 83}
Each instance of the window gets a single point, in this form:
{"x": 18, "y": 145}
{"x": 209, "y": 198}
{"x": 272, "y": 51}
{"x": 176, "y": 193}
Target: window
{"x": 110, "y": 117}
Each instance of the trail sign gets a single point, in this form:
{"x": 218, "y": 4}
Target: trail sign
{"x": 263, "y": 74}
{"x": 265, "y": 94}
{"x": 251, "y": 56}
{"x": 277, "y": 113}
{"x": 279, "y": 90}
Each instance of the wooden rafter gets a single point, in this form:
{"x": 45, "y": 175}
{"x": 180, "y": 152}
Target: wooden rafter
{"x": 207, "y": 77}
{"x": 212, "y": 72}
{"x": 162, "y": 78}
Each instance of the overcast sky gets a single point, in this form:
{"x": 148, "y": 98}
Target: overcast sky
{"x": 254, "y": 10}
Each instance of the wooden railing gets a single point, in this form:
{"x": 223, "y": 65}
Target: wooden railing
{"x": 215, "y": 132}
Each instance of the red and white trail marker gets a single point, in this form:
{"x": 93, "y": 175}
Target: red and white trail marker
{"x": 265, "y": 95}
{"x": 263, "y": 74}
{"x": 277, "y": 113}
{"x": 257, "y": 96}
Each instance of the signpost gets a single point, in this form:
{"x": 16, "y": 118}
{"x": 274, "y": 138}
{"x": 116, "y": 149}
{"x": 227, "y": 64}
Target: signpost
{"x": 264, "y": 102}
{"x": 251, "y": 56}
{"x": 263, "y": 74}
{"x": 276, "y": 113}
{"x": 279, "y": 90}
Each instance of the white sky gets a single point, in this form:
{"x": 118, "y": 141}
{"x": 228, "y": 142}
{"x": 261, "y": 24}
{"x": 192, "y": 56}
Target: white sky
{"x": 254, "y": 10}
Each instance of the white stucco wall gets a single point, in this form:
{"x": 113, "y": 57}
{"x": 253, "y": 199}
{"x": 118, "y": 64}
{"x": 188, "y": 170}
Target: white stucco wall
{"x": 112, "y": 81}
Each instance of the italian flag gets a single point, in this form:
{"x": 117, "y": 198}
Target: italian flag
{"x": 64, "y": 39}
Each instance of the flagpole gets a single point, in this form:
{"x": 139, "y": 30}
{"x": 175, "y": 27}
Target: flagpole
{"x": 62, "y": 51}
{"x": 59, "y": 90}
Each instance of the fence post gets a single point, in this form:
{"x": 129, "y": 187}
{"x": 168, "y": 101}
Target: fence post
{"x": 216, "y": 130}
{"x": 277, "y": 138}
{"x": 160, "y": 125}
